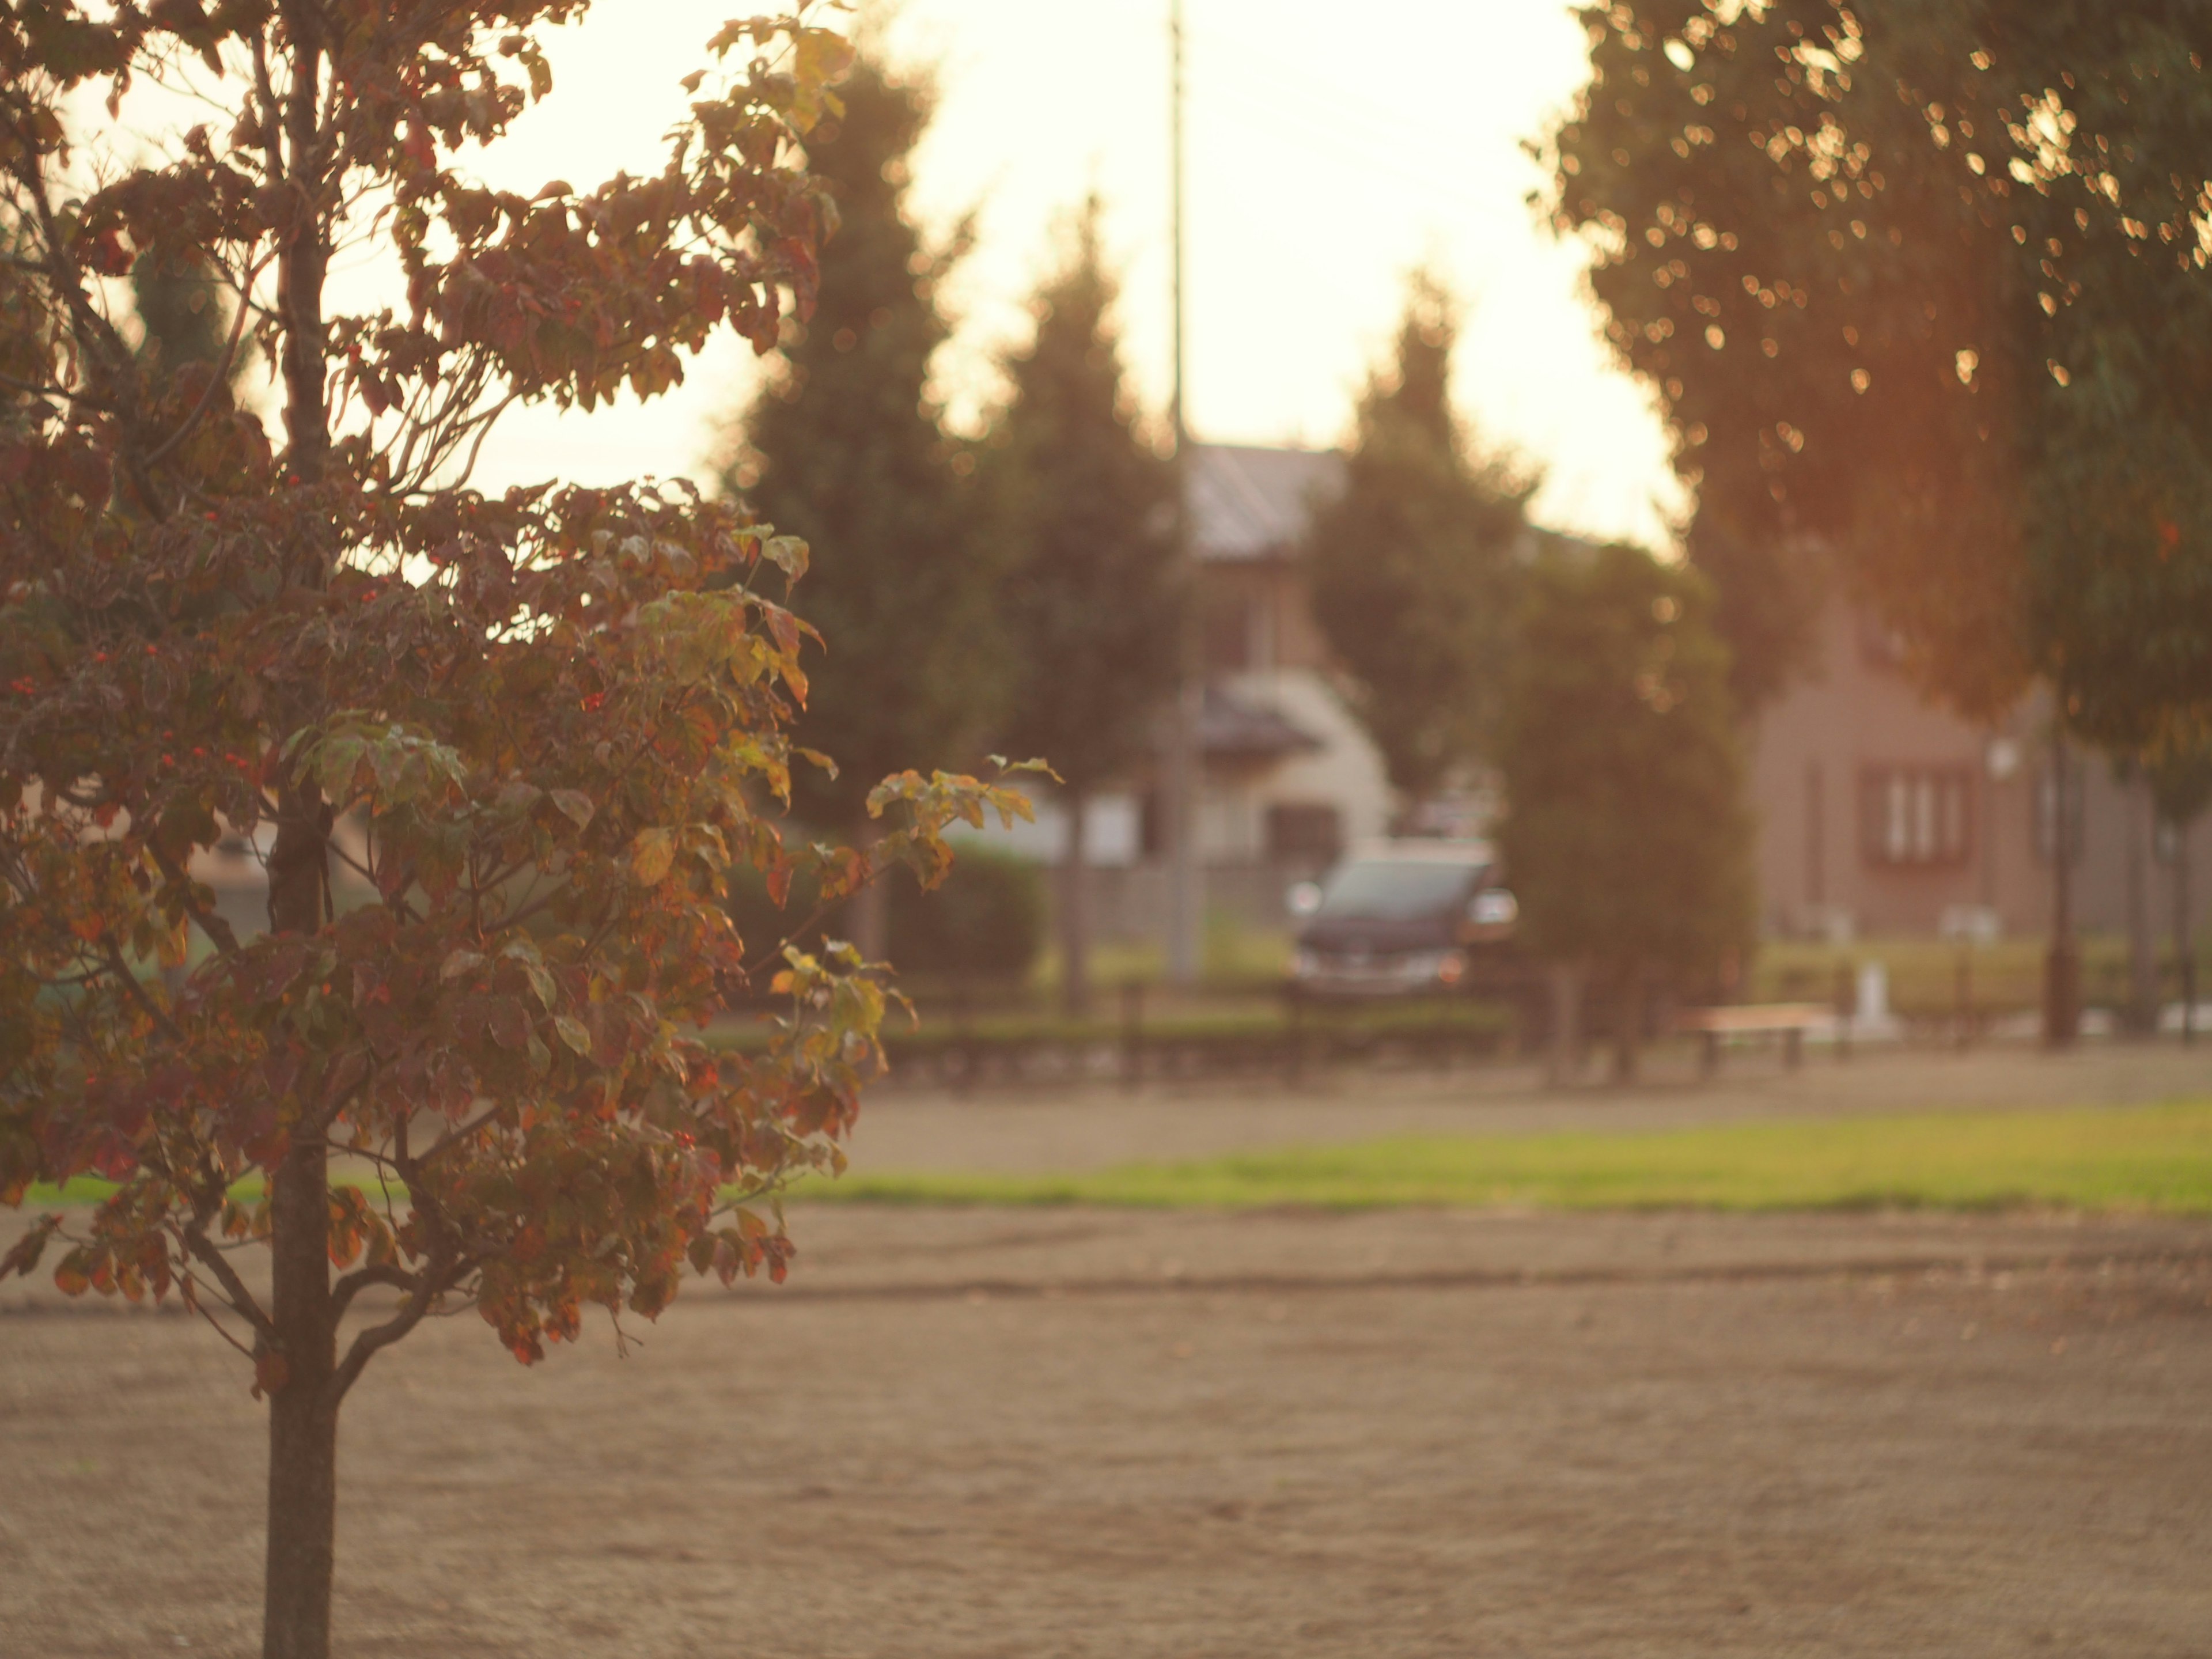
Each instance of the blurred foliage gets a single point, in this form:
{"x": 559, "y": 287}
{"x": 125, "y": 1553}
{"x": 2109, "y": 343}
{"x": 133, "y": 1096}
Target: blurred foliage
{"x": 1411, "y": 565}
{"x": 1081, "y": 510}
{"x": 1927, "y": 281}
{"x": 1767, "y": 597}
{"x": 983, "y": 920}
{"x": 843, "y": 447}
{"x": 2180, "y": 775}
{"x": 181, "y": 307}
{"x": 1626, "y": 837}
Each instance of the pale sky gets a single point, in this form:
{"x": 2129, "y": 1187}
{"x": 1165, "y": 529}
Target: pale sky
{"x": 1324, "y": 160}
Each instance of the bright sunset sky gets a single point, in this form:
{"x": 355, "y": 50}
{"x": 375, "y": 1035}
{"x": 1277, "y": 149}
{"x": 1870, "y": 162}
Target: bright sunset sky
{"x": 1326, "y": 158}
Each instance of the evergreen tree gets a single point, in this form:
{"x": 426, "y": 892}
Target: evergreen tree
{"x": 1082, "y": 514}
{"x": 180, "y": 306}
{"x": 844, "y": 448}
{"x": 1627, "y": 836}
{"x": 1411, "y": 565}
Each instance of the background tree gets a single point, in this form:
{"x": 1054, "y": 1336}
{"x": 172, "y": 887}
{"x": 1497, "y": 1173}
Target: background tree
{"x": 1413, "y": 564}
{"x": 843, "y": 447}
{"x": 1925, "y": 280}
{"x": 2180, "y": 777}
{"x": 555, "y": 719}
{"x": 1080, "y": 509}
{"x": 185, "y": 317}
{"x": 1626, "y": 837}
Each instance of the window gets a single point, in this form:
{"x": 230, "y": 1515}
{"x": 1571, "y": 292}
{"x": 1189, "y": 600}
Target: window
{"x": 1917, "y": 815}
{"x": 1305, "y": 834}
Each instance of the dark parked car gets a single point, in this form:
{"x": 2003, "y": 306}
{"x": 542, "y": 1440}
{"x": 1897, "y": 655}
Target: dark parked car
{"x": 1406, "y": 918}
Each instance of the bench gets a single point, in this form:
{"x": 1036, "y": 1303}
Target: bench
{"x": 1788, "y": 1020}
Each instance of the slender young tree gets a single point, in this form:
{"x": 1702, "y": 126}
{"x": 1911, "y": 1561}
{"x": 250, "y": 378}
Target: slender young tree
{"x": 1413, "y": 563}
{"x": 843, "y": 447}
{"x": 1079, "y": 507}
{"x": 552, "y": 721}
{"x": 2180, "y": 775}
{"x": 1627, "y": 836}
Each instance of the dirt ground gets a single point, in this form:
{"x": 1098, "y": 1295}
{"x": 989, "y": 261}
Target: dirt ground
{"x": 1082, "y": 1432}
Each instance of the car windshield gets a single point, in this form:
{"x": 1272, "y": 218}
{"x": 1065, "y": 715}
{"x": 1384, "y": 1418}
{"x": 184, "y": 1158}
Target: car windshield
{"x": 1389, "y": 889}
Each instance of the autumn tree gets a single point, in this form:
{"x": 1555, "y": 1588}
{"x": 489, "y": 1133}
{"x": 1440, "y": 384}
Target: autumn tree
{"x": 1413, "y": 563}
{"x": 1626, "y": 837}
{"x": 540, "y": 728}
{"x": 1925, "y": 282}
{"x": 843, "y": 447}
{"x": 1081, "y": 509}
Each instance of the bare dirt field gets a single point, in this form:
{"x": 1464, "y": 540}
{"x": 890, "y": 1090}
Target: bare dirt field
{"x": 1068, "y": 1432}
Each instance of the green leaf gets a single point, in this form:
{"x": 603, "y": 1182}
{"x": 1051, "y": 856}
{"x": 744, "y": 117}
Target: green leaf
{"x": 572, "y": 1032}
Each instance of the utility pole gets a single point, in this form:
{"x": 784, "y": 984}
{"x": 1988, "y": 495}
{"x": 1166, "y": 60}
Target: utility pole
{"x": 1186, "y": 894}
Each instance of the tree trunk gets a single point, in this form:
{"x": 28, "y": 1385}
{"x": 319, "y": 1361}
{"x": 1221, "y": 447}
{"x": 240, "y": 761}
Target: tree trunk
{"x": 2143, "y": 944}
{"x": 1566, "y": 1019}
{"x": 1628, "y": 1027}
{"x": 868, "y": 916}
{"x": 302, "y": 1414}
{"x": 296, "y": 1368}
{"x": 2062, "y": 971}
{"x": 2185, "y": 945}
{"x": 1074, "y": 911}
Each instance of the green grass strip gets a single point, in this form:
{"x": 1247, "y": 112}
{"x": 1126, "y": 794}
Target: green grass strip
{"x": 2155, "y": 1159}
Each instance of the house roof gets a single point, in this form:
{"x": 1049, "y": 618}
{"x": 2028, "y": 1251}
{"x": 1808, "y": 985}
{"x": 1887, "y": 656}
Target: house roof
{"x": 1248, "y": 503}
{"x": 1229, "y": 728}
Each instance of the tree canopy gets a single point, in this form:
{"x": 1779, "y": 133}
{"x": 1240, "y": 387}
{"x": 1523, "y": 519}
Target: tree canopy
{"x": 496, "y": 755}
{"x": 1626, "y": 838}
{"x": 1926, "y": 281}
{"x": 1082, "y": 511}
{"x": 1411, "y": 564}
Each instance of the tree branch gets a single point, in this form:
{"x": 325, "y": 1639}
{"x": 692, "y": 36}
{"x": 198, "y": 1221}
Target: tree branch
{"x": 366, "y": 1346}
{"x": 353, "y": 1284}
{"x": 152, "y": 1010}
{"x": 219, "y": 933}
{"x": 240, "y": 1298}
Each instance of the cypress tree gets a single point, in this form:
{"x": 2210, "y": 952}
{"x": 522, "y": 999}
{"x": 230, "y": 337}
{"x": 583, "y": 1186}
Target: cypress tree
{"x": 1413, "y": 564}
{"x": 844, "y": 448}
{"x": 1081, "y": 510}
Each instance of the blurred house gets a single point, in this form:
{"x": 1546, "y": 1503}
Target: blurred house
{"x": 1882, "y": 814}
{"x": 1290, "y": 778}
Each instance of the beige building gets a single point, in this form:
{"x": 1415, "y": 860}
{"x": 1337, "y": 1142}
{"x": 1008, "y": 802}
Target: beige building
{"x": 1880, "y": 814}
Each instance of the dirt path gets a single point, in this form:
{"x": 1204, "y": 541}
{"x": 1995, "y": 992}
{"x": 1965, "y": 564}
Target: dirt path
{"x": 1069, "y": 1432}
